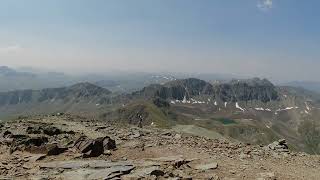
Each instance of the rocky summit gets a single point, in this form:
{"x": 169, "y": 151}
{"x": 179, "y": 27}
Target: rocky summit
{"x": 72, "y": 147}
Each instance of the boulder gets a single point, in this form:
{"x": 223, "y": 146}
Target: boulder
{"x": 89, "y": 147}
{"x": 94, "y": 147}
{"x": 180, "y": 162}
{"x": 34, "y": 130}
{"x": 50, "y": 131}
{"x": 145, "y": 171}
{"x": 109, "y": 143}
{"x": 26, "y": 143}
{"x": 7, "y": 134}
{"x": 157, "y": 173}
{"x": 36, "y": 141}
{"x": 54, "y": 149}
{"x": 279, "y": 146}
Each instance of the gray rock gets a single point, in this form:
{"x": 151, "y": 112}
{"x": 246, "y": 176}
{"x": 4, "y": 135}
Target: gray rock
{"x": 266, "y": 176}
{"x": 82, "y": 164}
{"x": 54, "y": 149}
{"x": 280, "y": 146}
{"x": 167, "y": 159}
{"x": 93, "y": 174}
{"x": 111, "y": 172}
{"x": 51, "y": 131}
{"x": 146, "y": 171}
{"x": 204, "y": 167}
{"x": 94, "y": 148}
{"x": 177, "y": 136}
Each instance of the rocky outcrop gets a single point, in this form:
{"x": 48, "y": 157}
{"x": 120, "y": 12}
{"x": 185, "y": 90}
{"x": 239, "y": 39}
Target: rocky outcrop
{"x": 246, "y": 90}
{"x": 177, "y": 89}
{"x": 94, "y": 147}
{"x": 236, "y": 90}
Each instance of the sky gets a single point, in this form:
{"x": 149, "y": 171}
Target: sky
{"x": 276, "y": 39}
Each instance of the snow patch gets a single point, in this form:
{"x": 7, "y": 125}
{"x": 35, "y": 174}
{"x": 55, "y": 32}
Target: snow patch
{"x": 184, "y": 100}
{"x": 308, "y": 108}
{"x": 238, "y": 107}
{"x": 259, "y": 109}
{"x": 262, "y": 109}
{"x": 287, "y": 108}
{"x": 198, "y": 102}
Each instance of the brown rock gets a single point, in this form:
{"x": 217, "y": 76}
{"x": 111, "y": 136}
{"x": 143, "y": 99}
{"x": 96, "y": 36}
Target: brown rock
{"x": 7, "y": 134}
{"x": 94, "y": 148}
{"x": 51, "y": 131}
{"x": 109, "y": 143}
{"x": 54, "y": 149}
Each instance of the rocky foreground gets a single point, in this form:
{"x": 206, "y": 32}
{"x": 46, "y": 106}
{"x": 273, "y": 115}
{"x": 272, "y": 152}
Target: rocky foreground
{"x": 69, "y": 147}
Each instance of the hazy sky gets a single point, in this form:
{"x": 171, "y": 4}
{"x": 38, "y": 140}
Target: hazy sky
{"x": 268, "y": 38}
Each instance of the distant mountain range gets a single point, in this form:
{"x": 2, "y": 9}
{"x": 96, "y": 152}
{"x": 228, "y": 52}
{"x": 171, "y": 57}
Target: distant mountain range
{"x": 233, "y": 91}
{"x": 250, "y": 110}
{"x": 8, "y": 72}
{"x": 312, "y": 86}
{"x": 120, "y": 82}
{"x": 11, "y": 79}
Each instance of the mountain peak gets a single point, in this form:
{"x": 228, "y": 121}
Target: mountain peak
{"x": 89, "y": 88}
{"x": 247, "y": 89}
{"x": 236, "y": 90}
{"x": 253, "y": 82}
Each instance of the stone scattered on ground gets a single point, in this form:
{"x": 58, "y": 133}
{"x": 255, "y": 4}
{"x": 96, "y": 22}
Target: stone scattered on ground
{"x": 71, "y": 147}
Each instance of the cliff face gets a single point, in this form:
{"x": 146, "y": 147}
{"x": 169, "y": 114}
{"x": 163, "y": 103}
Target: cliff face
{"x": 237, "y": 90}
{"x": 246, "y": 90}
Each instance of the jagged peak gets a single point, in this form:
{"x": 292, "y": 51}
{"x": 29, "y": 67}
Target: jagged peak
{"x": 252, "y": 82}
{"x": 188, "y": 83}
